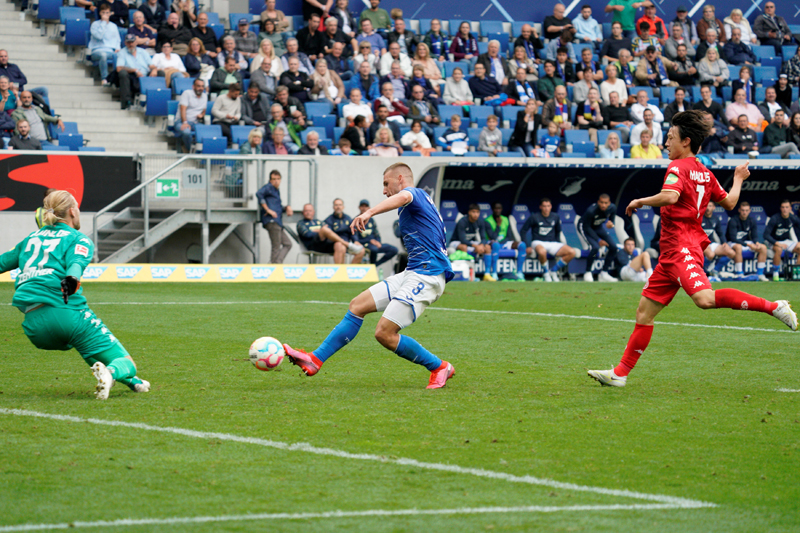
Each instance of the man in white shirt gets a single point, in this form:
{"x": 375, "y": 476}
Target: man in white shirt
{"x": 191, "y": 111}
{"x": 641, "y": 104}
{"x": 394, "y": 55}
{"x": 647, "y": 124}
{"x": 357, "y": 107}
{"x": 227, "y": 110}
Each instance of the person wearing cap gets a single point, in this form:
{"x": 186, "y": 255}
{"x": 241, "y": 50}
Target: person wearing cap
{"x": 310, "y": 40}
{"x": 624, "y": 12}
{"x": 246, "y": 40}
{"x": 104, "y": 44}
{"x": 689, "y": 27}
{"x": 370, "y": 239}
{"x": 654, "y": 70}
{"x": 132, "y": 64}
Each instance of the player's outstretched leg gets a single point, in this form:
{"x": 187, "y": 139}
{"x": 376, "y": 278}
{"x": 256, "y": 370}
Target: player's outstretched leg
{"x": 119, "y": 367}
{"x": 735, "y": 299}
{"x": 134, "y": 383}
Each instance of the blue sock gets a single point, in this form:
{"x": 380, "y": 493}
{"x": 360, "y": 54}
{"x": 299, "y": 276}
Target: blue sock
{"x": 413, "y": 351}
{"x": 495, "y": 256}
{"x": 521, "y": 256}
{"x": 559, "y": 264}
{"x": 760, "y": 268}
{"x": 706, "y": 263}
{"x": 721, "y": 262}
{"x": 546, "y": 265}
{"x": 342, "y": 334}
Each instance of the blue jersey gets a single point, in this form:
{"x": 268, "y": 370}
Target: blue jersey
{"x": 423, "y": 234}
{"x": 543, "y": 228}
{"x": 779, "y": 228}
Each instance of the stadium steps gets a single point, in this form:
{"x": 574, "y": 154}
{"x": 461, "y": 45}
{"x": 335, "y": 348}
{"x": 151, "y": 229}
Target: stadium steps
{"x": 74, "y": 94}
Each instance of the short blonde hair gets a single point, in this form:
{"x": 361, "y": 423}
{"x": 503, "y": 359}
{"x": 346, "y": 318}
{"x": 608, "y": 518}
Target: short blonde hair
{"x": 255, "y": 132}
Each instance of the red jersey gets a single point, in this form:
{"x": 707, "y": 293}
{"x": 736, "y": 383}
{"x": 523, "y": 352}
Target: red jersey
{"x": 681, "y": 222}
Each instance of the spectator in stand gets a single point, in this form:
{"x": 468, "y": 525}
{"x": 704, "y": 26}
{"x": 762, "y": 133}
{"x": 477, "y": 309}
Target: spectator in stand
{"x": 522, "y": 61}
{"x": 293, "y": 108}
{"x": 275, "y": 15}
{"x": 316, "y": 236}
{"x": 685, "y": 73}
{"x": 229, "y": 50}
{"x": 206, "y": 35}
{"x": 436, "y": 40}
{"x": 611, "y": 149}
{"x": 612, "y": 46}
{"x": 523, "y": 138}
{"x": 676, "y": 39}
{"x": 372, "y": 37}
{"x": 656, "y": 136}
{"x": 266, "y": 52}
{"x": 178, "y": 35}
{"x": 645, "y": 150}
{"x": 291, "y": 128}
{"x": 419, "y": 80}
{"x": 337, "y": 63}
{"x": 739, "y": 107}
{"x": 357, "y": 107}
{"x": 617, "y": 116}
{"x": 16, "y": 77}
{"x": 778, "y": 236}
{"x": 592, "y": 226}
{"x": 37, "y": 119}
{"x": 624, "y": 12}
{"x": 317, "y": 8}
{"x": 264, "y": 80}
{"x": 710, "y": 21}
{"x": 327, "y": 84}
{"x": 589, "y": 114}
{"x": 530, "y": 43}
{"x": 550, "y": 141}
{"x": 104, "y": 44}
{"x": 310, "y": 40}
{"x": 547, "y": 84}
{"x": 394, "y": 55}
{"x": 312, "y": 146}
{"x": 227, "y": 110}
{"x": 484, "y": 87}
{"x": 776, "y": 137}
{"x": 191, "y": 111}
{"x": 644, "y": 40}
{"x": 145, "y": 37}
{"x": 689, "y": 27}
{"x": 396, "y": 77}
{"x": 557, "y": 110}
{"x": 632, "y": 265}
{"x": 770, "y": 106}
{"x": 464, "y": 45}
{"x": 626, "y": 70}
{"x": 155, "y": 15}
{"x": 185, "y": 10}
{"x": 587, "y": 62}
{"x": 132, "y": 64}
{"x": 225, "y": 77}
{"x": 421, "y": 109}
{"x": 333, "y": 35}
{"x": 454, "y": 139}
{"x": 246, "y": 40}
{"x": 365, "y": 81}
{"x": 393, "y": 104}
{"x": 8, "y": 100}
{"x": 370, "y": 239}
{"x": 772, "y": 29}
{"x": 298, "y": 83}
{"x": 564, "y": 67}
{"x": 356, "y": 134}
{"x": 737, "y": 51}
{"x": 276, "y": 145}
{"x": 119, "y": 13}
{"x": 581, "y": 89}
{"x": 430, "y": 69}
{"x": 563, "y": 41}
{"x": 678, "y": 105}
{"x": 407, "y": 39}
{"x": 655, "y": 24}
{"x": 711, "y": 107}
{"x": 520, "y": 90}
{"x": 495, "y": 64}
{"x": 255, "y": 138}
{"x": 457, "y": 90}
{"x": 23, "y": 139}
{"x": 347, "y": 24}
{"x": 556, "y": 24}
{"x": 343, "y": 148}
{"x": 783, "y": 91}
{"x": 276, "y": 37}
{"x": 587, "y": 30}
{"x": 613, "y": 84}
{"x": 304, "y": 65}
{"x": 255, "y": 109}
{"x": 382, "y": 121}
{"x": 365, "y": 55}
{"x": 416, "y": 140}
{"x": 742, "y": 138}
{"x": 710, "y": 41}
{"x": 385, "y": 145}
{"x": 642, "y": 103}
{"x": 654, "y": 71}
{"x": 377, "y": 16}
{"x": 169, "y": 65}
{"x": 491, "y": 138}
{"x": 793, "y": 134}
{"x": 743, "y": 232}
{"x": 716, "y": 144}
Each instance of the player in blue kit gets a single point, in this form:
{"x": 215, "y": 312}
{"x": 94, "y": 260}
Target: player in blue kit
{"x": 718, "y": 248}
{"x": 630, "y": 264}
{"x": 404, "y": 296}
{"x": 778, "y": 235}
{"x": 471, "y": 235}
{"x": 743, "y": 233}
{"x": 592, "y": 227}
{"x": 545, "y": 229}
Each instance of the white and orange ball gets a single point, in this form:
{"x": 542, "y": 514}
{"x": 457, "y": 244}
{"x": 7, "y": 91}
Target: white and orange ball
{"x": 266, "y": 353}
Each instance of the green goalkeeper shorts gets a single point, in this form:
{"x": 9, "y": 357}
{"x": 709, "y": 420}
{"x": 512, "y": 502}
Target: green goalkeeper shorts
{"x": 50, "y": 328}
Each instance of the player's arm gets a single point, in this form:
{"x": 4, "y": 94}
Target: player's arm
{"x": 395, "y": 201}
{"x": 79, "y": 253}
{"x": 739, "y": 175}
{"x": 10, "y": 259}
{"x": 768, "y": 238}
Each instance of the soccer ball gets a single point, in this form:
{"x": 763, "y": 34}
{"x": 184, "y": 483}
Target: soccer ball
{"x": 266, "y": 353}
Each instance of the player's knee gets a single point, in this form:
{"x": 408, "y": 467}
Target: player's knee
{"x": 704, "y": 299}
{"x": 339, "y": 247}
{"x": 386, "y": 337}
{"x": 132, "y": 361}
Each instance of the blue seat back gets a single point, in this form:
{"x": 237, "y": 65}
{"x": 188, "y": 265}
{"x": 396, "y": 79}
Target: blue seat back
{"x": 479, "y": 114}
{"x": 146, "y": 83}
{"x": 320, "y": 131}
{"x": 203, "y": 131}
{"x": 645, "y": 215}
{"x": 449, "y": 66}
{"x": 503, "y": 37}
{"x": 516, "y": 27}
{"x": 760, "y": 73}
{"x": 73, "y": 140}
{"x": 157, "y": 100}
{"x": 474, "y": 135}
{"x": 449, "y": 211}
{"x": 486, "y": 209}
{"x": 214, "y": 145}
{"x": 761, "y": 50}
{"x": 68, "y": 12}
{"x": 582, "y": 148}
{"x": 182, "y": 84}
{"x": 425, "y": 26}
{"x": 328, "y": 122}
{"x": 510, "y": 113}
{"x": 76, "y": 32}
{"x": 91, "y": 149}
{"x": 491, "y": 26}
{"x": 315, "y": 109}
{"x": 520, "y": 213}
{"x": 446, "y": 112}
{"x": 239, "y": 134}
{"x": 566, "y": 212}
{"x": 575, "y": 136}
{"x": 49, "y": 10}
{"x": 455, "y": 24}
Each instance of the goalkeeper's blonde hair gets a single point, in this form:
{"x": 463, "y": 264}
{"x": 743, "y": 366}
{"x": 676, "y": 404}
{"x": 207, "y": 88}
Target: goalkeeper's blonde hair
{"x": 56, "y": 207}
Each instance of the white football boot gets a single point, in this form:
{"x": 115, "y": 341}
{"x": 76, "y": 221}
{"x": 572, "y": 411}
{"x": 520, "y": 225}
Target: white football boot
{"x": 144, "y": 386}
{"x": 587, "y": 277}
{"x": 608, "y": 378}
{"x": 786, "y": 314}
{"x": 605, "y": 276}
{"x": 547, "y": 277}
{"x": 104, "y": 380}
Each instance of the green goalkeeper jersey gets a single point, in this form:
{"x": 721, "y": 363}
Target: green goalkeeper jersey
{"x": 44, "y": 258}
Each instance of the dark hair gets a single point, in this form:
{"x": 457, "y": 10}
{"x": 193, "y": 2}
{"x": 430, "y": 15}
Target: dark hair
{"x": 104, "y": 6}
{"x": 473, "y": 206}
{"x": 681, "y": 89}
{"x": 562, "y": 50}
{"x": 786, "y": 201}
{"x": 495, "y": 204}
{"x": 604, "y": 196}
{"x": 629, "y": 239}
{"x": 550, "y": 62}
{"x": 567, "y": 35}
{"x": 275, "y": 173}
{"x": 744, "y": 204}
{"x": 684, "y": 46}
{"x": 545, "y": 199}
{"x": 691, "y": 124}
{"x": 414, "y": 123}
{"x": 643, "y": 25}
{"x": 359, "y": 120}
{"x": 616, "y": 22}
{"x": 382, "y": 106}
{"x": 234, "y": 87}
{"x": 584, "y": 6}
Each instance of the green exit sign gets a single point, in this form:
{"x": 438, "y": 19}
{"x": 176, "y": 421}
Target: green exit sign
{"x": 168, "y": 188}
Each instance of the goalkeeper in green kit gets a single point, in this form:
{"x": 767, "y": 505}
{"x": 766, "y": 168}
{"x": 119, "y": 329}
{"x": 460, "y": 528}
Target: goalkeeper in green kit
{"x": 48, "y": 290}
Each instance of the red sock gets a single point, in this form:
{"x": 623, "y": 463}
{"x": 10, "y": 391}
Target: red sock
{"x": 733, "y": 299}
{"x": 637, "y": 344}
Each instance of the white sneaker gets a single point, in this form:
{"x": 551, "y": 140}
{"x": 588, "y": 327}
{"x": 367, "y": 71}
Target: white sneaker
{"x": 355, "y": 248}
{"x": 762, "y": 277}
{"x": 588, "y": 277}
{"x": 104, "y": 380}
{"x": 547, "y": 277}
{"x": 608, "y": 378}
{"x": 144, "y": 386}
{"x": 785, "y": 314}
{"x": 555, "y": 277}
{"x": 776, "y": 276}
{"x": 605, "y": 276}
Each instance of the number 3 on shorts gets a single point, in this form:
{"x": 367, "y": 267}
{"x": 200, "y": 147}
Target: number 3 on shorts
{"x": 416, "y": 290}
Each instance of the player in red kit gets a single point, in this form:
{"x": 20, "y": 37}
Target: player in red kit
{"x": 687, "y": 189}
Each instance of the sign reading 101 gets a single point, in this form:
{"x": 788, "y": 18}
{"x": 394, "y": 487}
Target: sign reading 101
{"x": 194, "y": 178}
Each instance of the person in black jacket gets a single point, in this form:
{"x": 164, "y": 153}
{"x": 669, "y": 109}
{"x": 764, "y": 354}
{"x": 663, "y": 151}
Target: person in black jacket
{"x": 523, "y": 138}
{"x": 255, "y": 108}
{"x": 312, "y": 146}
{"x": 743, "y": 232}
{"x": 677, "y": 105}
{"x": 310, "y": 40}
{"x": 407, "y": 39}
{"x": 356, "y": 134}
{"x": 710, "y": 106}
{"x": 529, "y": 40}
{"x": 206, "y": 35}
{"x": 297, "y": 82}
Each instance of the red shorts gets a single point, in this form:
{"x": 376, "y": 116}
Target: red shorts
{"x": 680, "y": 270}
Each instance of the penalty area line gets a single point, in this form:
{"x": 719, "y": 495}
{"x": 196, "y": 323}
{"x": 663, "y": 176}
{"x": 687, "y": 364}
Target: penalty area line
{"x": 308, "y": 448}
{"x": 336, "y": 514}
{"x": 787, "y": 390}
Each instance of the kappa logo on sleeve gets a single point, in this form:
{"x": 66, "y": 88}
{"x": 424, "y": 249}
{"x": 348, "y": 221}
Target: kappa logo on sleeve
{"x": 81, "y": 250}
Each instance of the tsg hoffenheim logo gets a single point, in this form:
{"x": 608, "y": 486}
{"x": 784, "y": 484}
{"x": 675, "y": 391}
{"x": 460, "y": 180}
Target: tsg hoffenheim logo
{"x": 293, "y": 272}
{"x": 357, "y": 272}
{"x": 229, "y": 273}
{"x": 325, "y": 272}
{"x": 127, "y": 272}
{"x": 262, "y": 272}
{"x": 161, "y": 272}
{"x": 195, "y": 272}
{"x": 14, "y": 273}
{"x": 93, "y": 272}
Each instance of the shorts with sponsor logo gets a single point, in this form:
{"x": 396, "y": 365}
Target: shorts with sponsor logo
{"x": 405, "y": 296}
{"x": 680, "y": 270}
{"x": 790, "y": 244}
{"x": 551, "y": 247}
{"x": 52, "y": 328}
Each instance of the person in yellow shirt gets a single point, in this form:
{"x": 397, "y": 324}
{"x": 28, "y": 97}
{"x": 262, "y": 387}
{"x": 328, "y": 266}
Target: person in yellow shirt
{"x": 645, "y": 150}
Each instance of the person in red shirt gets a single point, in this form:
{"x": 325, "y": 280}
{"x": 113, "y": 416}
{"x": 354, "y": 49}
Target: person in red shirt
{"x": 687, "y": 189}
{"x": 657, "y": 26}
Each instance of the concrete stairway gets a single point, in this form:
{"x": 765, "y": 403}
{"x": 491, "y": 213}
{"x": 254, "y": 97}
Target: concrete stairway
{"x": 74, "y": 94}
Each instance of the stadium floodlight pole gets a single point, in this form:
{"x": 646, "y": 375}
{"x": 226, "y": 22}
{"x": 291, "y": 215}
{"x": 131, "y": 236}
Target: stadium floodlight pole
{"x": 685, "y": 193}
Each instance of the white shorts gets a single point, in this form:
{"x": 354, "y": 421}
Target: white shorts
{"x": 405, "y": 296}
{"x": 790, "y": 245}
{"x": 629, "y": 274}
{"x": 713, "y": 247}
{"x": 552, "y": 247}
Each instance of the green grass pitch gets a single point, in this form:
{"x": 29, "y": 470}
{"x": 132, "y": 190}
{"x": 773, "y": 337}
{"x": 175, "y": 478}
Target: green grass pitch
{"x": 701, "y": 418}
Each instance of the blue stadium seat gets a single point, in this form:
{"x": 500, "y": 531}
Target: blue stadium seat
{"x": 337, "y": 132}
{"x": 76, "y": 32}
{"x": 56, "y": 148}
{"x": 510, "y": 114}
{"x": 404, "y": 128}
{"x": 486, "y": 209}
{"x": 146, "y": 83}
{"x": 763, "y": 50}
{"x": 203, "y": 131}
{"x": 325, "y": 121}
{"x": 760, "y": 137}
{"x": 576, "y": 136}
{"x": 443, "y": 153}
{"x": 213, "y": 17}
{"x": 578, "y": 155}
{"x": 69, "y": 12}
{"x": 727, "y": 93}
{"x": 769, "y": 156}
{"x": 156, "y": 105}
{"x": 758, "y": 214}
{"x": 606, "y": 30}
{"x": 327, "y": 143}
{"x": 503, "y": 37}
{"x": 69, "y": 127}
{"x": 172, "y": 115}
{"x": 297, "y": 22}
{"x": 775, "y": 62}
{"x": 760, "y": 73}
{"x": 491, "y": 26}
{"x": 234, "y": 18}
{"x": 450, "y": 65}
{"x": 520, "y": 213}
{"x": 516, "y": 27}
{"x": 72, "y": 140}
{"x": 256, "y": 7}
{"x": 734, "y": 71}
{"x": 510, "y": 154}
{"x": 643, "y": 226}
{"x": 647, "y": 89}
{"x": 761, "y": 94}
{"x": 424, "y": 26}
{"x": 794, "y": 156}
{"x": 474, "y": 135}
{"x": 567, "y": 214}
{"x": 736, "y": 156}
{"x": 578, "y": 47}
{"x": 314, "y": 109}
{"x": 214, "y": 145}
{"x": 449, "y": 211}
{"x": 438, "y": 131}
{"x": 626, "y": 149}
{"x": 320, "y": 131}
{"x": 788, "y": 50}
{"x": 218, "y": 29}
{"x": 446, "y": 112}
{"x": 49, "y": 9}
{"x": 539, "y": 134}
{"x": 478, "y": 154}
{"x": 668, "y": 94}
{"x": 182, "y": 84}
{"x": 91, "y": 149}
{"x": 479, "y": 114}
{"x": 239, "y": 134}
{"x": 406, "y": 153}
{"x": 454, "y": 25}
{"x": 483, "y": 47}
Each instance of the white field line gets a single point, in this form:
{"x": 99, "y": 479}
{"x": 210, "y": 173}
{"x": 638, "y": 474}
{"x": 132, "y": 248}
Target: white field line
{"x": 336, "y": 514}
{"x": 787, "y": 390}
{"x": 452, "y": 309}
{"x": 308, "y": 448}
